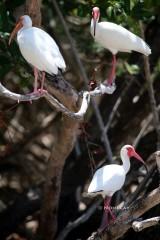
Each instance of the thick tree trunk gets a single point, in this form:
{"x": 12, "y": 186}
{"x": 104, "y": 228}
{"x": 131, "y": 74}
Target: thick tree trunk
{"x": 61, "y": 149}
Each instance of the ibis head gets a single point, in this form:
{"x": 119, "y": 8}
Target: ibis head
{"x": 23, "y": 22}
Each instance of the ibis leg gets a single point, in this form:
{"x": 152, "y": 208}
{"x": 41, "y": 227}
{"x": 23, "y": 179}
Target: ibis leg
{"x": 104, "y": 222}
{"x": 107, "y": 211}
{"x": 41, "y": 90}
{"x": 42, "y": 81}
{"x": 105, "y": 218}
{"x": 112, "y": 215}
{"x": 108, "y": 207}
{"x": 113, "y": 71}
{"x": 35, "y": 79}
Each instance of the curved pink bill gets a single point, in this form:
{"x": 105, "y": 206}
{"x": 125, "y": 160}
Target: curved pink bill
{"x": 138, "y": 157}
{"x": 15, "y": 30}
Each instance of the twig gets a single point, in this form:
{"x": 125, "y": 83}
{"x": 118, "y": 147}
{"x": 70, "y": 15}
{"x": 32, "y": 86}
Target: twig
{"x": 72, "y": 225}
{"x": 86, "y": 80}
{"x": 140, "y": 225}
{"x": 156, "y": 120}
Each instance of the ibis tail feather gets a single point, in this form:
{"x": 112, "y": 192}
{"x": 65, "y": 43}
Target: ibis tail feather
{"x": 142, "y": 46}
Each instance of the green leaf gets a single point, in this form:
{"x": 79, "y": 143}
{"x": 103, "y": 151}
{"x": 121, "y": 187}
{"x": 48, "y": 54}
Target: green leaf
{"x": 110, "y": 11}
{"x": 131, "y": 68}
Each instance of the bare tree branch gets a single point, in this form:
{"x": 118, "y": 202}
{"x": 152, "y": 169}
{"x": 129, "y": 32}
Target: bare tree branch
{"x": 55, "y": 103}
{"x": 140, "y": 225}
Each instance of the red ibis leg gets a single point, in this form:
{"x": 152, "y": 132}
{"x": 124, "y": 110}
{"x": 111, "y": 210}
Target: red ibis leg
{"x": 107, "y": 207}
{"x": 42, "y": 83}
{"x": 107, "y": 210}
{"x": 113, "y": 71}
{"x": 104, "y": 222}
{"x": 43, "y": 78}
{"x": 35, "y": 80}
{"x": 35, "y": 91}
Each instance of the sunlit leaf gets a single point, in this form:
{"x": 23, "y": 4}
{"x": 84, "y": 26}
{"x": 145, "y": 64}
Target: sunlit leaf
{"x": 132, "y": 68}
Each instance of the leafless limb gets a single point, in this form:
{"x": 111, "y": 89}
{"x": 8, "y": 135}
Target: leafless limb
{"x": 86, "y": 80}
{"x": 140, "y": 225}
{"x": 55, "y": 103}
{"x": 126, "y": 217}
{"x": 156, "y": 120}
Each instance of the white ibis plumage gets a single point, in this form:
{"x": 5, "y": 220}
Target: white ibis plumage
{"x": 38, "y": 48}
{"x": 116, "y": 39}
{"x": 109, "y": 179}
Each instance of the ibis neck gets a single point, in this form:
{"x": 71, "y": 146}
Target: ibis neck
{"x": 21, "y": 30}
{"x": 126, "y": 162}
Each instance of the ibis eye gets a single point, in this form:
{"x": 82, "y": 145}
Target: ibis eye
{"x": 130, "y": 151}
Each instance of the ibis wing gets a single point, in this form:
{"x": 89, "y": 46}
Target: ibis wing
{"x": 108, "y": 179}
{"x": 39, "y": 49}
{"x": 117, "y": 38}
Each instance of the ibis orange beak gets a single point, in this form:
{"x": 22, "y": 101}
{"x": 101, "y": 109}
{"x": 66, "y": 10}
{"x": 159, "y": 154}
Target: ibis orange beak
{"x": 18, "y": 26}
{"x": 138, "y": 157}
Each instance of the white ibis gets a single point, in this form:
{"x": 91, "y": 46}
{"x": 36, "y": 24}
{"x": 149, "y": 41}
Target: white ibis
{"x": 38, "y": 49}
{"x": 116, "y": 39}
{"x": 110, "y": 178}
